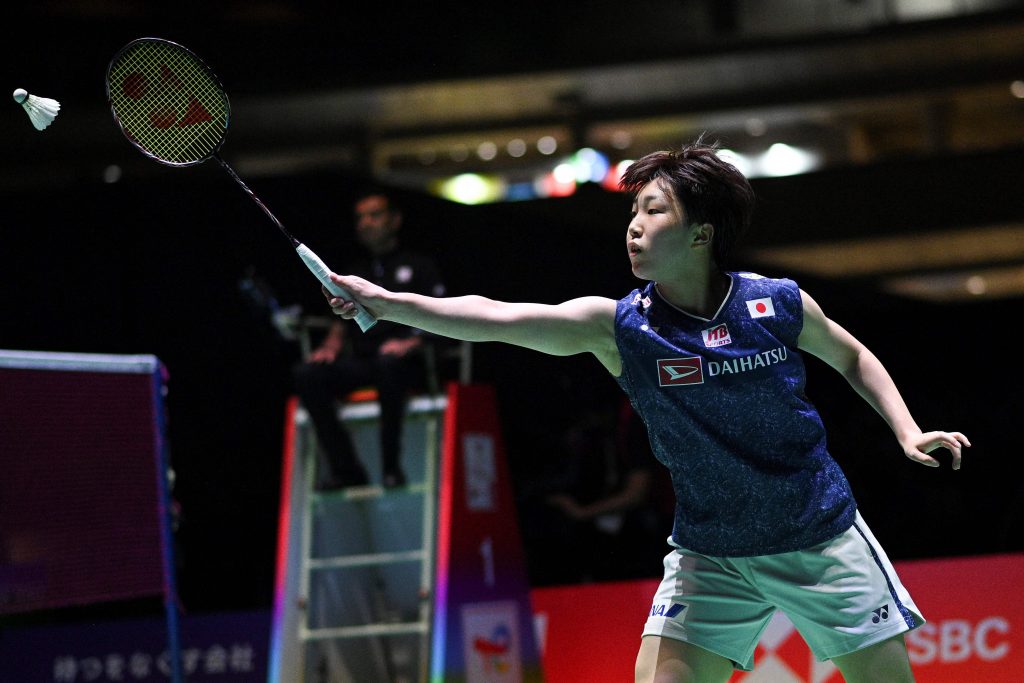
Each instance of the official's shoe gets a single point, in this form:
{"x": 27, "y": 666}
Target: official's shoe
{"x": 355, "y": 475}
{"x": 393, "y": 478}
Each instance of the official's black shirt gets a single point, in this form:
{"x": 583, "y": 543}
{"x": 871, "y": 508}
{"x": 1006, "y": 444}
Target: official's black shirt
{"x": 399, "y": 271}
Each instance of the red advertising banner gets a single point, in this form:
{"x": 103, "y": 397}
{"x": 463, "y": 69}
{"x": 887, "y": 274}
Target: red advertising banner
{"x": 975, "y": 613}
{"x": 483, "y": 625}
{"x": 974, "y": 609}
{"x": 591, "y": 632}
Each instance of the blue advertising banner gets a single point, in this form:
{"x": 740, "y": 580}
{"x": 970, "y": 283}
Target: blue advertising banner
{"x": 215, "y": 648}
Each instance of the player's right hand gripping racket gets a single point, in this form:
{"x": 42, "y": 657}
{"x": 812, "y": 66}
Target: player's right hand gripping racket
{"x": 172, "y": 107}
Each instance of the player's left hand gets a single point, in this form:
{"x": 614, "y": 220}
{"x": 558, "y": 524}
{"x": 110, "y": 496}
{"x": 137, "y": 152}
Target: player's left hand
{"x": 918, "y": 448}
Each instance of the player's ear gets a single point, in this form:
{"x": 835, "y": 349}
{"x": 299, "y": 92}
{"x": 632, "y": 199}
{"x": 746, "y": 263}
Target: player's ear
{"x": 702, "y": 234}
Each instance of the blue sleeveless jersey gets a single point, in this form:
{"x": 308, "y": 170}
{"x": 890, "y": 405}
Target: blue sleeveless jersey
{"x": 726, "y": 412}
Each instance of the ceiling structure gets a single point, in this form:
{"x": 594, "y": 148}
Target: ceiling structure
{"x": 414, "y": 96}
{"x": 850, "y": 94}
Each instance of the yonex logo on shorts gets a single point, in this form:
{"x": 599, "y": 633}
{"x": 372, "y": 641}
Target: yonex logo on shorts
{"x": 667, "y": 610}
{"x": 880, "y": 614}
{"x": 675, "y": 371}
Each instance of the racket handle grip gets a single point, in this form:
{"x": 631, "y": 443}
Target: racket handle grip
{"x": 322, "y": 272}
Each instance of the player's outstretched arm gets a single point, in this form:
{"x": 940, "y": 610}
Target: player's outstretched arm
{"x": 580, "y": 325}
{"x": 829, "y": 341}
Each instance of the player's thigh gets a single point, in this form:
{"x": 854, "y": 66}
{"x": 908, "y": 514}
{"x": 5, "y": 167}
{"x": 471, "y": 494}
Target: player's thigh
{"x": 666, "y": 660}
{"x": 885, "y": 661}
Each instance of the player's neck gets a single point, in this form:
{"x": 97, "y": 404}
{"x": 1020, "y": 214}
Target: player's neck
{"x": 700, "y": 293}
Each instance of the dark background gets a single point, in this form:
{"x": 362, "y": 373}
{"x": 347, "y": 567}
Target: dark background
{"x": 155, "y": 268}
{"x": 152, "y": 264}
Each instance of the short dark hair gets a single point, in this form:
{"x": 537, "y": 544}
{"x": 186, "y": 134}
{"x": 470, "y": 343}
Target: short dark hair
{"x": 710, "y": 189}
{"x": 373, "y": 190}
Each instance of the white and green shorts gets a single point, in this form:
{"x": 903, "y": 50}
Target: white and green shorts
{"x": 841, "y": 595}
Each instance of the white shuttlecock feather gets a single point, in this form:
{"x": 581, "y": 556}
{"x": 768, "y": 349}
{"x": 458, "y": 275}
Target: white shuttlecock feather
{"x": 41, "y": 110}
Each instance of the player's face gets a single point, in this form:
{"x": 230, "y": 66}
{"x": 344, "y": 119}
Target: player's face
{"x": 376, "y": 224}
{"x": 658, "y": 236}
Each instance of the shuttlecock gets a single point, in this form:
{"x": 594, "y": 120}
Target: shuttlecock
{"x": 41, "y": 110}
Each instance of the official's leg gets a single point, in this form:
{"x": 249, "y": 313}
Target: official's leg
{"x": 666, "y": 660}
{"x": 318, "y": 386}
{"x": 394, "y": 377}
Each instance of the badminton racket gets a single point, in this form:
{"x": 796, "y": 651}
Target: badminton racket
{"x": 172, "y": 107}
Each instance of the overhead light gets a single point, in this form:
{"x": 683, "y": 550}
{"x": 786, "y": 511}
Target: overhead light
{"x": 471, "y": 188}
{"x": 516, "y": 148}
{"x": 564, "y": 174}
{"x": 782, "y": 160}
{"x": 487, "y": 150}
{"x": 589, "y": 165}
{"x": 742, "y": 162}
{"x": 559, "y": 183}
{"x": 976, "y": 284}
{"x": 547, "y": 145}
{"x": 521, "y": 191}
{"x": 755, "y": 127}
{"x": 614, "y": 175}
{"x": 988, "y": 283}
{"x": 621, "y": 139}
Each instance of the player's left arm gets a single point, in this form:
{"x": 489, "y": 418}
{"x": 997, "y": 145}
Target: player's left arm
{"x": 825, "y": 339}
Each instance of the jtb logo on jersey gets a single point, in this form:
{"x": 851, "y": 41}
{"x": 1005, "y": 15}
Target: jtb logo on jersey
{"x": 761, "y": 308}
{"x": 668, "y": 610}
{"x": 716, "y": 336}
{"x": 675, "y": 371}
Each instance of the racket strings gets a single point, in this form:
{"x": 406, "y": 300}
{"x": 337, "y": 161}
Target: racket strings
{"x": 168, "y": 103}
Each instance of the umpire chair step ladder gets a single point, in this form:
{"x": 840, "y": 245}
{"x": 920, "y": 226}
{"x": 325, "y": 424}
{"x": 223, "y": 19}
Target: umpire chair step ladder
{"x": 420, "y": 583}
{"x": 365, "y": 556}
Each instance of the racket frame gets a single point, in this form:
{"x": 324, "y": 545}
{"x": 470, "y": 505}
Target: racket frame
{"x": 198, "y": 62}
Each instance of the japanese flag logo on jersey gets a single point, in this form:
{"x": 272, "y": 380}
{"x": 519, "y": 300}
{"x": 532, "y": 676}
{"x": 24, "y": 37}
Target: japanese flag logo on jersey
{"x": 761, "y": 308}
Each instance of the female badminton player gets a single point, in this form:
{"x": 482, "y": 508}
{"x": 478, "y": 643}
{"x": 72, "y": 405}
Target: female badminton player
{"x": 710, "y": 358}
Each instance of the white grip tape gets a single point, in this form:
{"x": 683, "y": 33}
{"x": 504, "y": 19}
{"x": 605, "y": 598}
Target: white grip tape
{"x": 322, "y": 272}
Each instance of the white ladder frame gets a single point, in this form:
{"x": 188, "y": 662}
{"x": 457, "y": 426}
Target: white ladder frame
{"x": 431, "y": 409}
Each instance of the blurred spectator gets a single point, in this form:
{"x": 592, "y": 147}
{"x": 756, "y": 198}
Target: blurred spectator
{"x": 605, "y": 513}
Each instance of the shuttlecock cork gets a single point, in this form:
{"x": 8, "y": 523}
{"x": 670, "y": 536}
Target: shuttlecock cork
{"x": 41, "y": 110}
